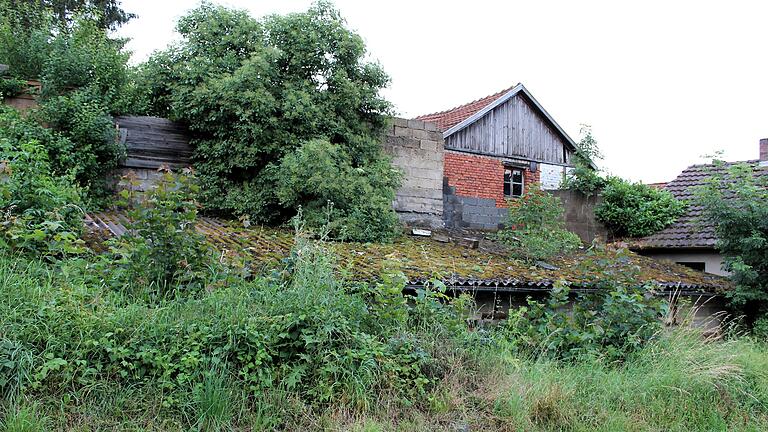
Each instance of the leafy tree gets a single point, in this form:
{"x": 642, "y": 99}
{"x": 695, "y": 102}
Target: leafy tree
{"x": 735, "y": 201}
{"x": 256, "y": 93}
{"x": 636, "y": 210}
{"x": 107, "y": 13}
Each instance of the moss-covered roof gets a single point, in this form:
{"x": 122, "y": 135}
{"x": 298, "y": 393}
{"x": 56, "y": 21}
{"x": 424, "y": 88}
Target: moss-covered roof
{"x": 423, "y": 258}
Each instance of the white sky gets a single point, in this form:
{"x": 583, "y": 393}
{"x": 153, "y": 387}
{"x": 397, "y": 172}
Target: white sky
{"x": 661, "y": 82}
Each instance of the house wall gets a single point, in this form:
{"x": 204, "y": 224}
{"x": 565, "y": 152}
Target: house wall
{"x": 473, "y": 190}
{"x": 513, "y": 129}
{"x": 713, "y": 261}
{"x": 551, "y": 176}
{"x": 416, "y": 148}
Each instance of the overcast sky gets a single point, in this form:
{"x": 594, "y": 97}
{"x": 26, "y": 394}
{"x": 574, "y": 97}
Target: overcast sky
{"x": 662, "y": 83}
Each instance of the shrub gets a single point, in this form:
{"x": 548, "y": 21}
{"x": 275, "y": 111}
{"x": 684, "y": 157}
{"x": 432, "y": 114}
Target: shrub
{"x": 18, "y": 128}
{"x": 263, "y": 95}
{"x": 319, "y": 173}
{"x": 635, "y": 209}
{"x": 161, "y": 248}
{"x": 609, "y": 324}
{"x": 82, "y": 119}
{"x": 535, "y": 227}
{"x": 734, "y": 200}
{"x": 41, "y": 212}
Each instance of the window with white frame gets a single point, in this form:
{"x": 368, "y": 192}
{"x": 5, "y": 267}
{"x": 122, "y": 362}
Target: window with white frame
{"x": 513, "y": 182}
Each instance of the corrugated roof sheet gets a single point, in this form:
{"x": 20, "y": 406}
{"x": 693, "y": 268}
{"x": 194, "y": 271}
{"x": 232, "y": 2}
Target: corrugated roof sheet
{"x": 691, "y": 231}
{"x": 421, "y": 259}
{"x": 449, "y": 118}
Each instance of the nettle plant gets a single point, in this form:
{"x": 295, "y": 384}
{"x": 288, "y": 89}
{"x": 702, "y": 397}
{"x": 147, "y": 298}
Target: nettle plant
{"x": 41, "y": 213}
{"x": 162, "y": 248}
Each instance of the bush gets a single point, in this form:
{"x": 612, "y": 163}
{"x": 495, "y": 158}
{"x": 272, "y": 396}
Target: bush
{"x": 636, "y": 210}
{"x": 610, "y": 324}
{"x": 535, "y": 227}
{"x": 18, "y": 128}
{"x": 734, "y": 200}
{"x": 41, "y": 212}
{"x": 319, "y": 173}
{"x": 262, "y": 96}
{"x": 161, "y": 250}
{"x": 82, "y": 119}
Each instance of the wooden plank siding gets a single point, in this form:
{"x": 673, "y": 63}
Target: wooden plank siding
{"x": 514, "y": 129}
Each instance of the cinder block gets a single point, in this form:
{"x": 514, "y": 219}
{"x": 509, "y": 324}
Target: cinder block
{"x": 397, "y": 121}
{"x": 415, "y": 124}
{"x": 403, "y": 132}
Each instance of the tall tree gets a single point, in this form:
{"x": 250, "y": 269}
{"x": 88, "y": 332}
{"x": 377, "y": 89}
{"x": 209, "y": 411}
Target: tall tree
{"x": 286, "y": 112}
{"x": 107, "y": 13}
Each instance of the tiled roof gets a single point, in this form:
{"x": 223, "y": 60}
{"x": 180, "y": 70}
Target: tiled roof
{"x": 449, "y": 118}
{"x": 691, "y": 231}
{"x": 423, "y": 258}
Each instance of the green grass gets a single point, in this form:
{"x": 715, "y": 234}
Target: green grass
{"x": 48, "y": 315}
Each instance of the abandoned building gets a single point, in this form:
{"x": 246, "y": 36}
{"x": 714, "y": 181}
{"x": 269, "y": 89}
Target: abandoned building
{"x": 691, "y": 240}
{"x": 495, "y": 148}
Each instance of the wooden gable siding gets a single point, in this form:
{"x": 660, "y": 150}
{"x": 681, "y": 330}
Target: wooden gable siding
{"x": 513, "y": 129}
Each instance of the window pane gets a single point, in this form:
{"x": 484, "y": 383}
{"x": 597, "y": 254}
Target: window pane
{"x": 517, "y": 190}
{"x": 517, "y": 176}
{"x": 507, "y": 181}
{"x": 506, "y": 188}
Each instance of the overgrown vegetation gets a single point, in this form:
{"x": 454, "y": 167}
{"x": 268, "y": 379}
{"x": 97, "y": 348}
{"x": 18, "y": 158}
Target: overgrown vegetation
{"x": 284, "y": 100}
{"x": 636, "y": 210}
{"x": 735, "y": 201}
{"x": 627, "y": 209}
{"x": 535, "y": 228}
{"x": 84, "y": 79}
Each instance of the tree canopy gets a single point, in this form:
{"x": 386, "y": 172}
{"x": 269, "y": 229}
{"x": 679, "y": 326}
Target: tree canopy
{"x": 285, "y": 112}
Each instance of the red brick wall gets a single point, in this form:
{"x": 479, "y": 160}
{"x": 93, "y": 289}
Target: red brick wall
{"x": 480, "y": 176}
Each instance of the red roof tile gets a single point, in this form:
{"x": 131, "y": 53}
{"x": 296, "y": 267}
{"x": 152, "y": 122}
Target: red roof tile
{"x": 449, "y": 118}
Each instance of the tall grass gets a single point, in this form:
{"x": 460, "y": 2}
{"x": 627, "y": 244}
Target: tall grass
{"x": 348, "y": 361}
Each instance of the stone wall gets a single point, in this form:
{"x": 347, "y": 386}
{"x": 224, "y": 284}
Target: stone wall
{"x": 416, "y": 148}
{"x": 580, "y": 215}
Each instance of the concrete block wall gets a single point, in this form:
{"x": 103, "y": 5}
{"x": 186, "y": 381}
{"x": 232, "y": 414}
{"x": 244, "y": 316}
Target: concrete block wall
{"x": 580, "y": 215}
{"x": 417, "y": 148}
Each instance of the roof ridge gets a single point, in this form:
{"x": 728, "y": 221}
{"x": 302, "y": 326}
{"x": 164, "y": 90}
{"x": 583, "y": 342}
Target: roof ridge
{"x": 497, "y": 94}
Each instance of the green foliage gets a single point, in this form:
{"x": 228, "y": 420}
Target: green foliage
{"x": 535, "y": 227}
{"x": 319, "y": 173}
{"x": 735, "y": 201}
{"x": 84, "y": 79}
{"x": 41, "y": 212}
{"x": 62, "y": 14}
{"x": 610, "y": 324}
{"x": 10, "y": 86}
{"x": 18, "y": 128}
{"x": 263, "y": 95}
{"x": 82, "y": 119}
{"x": 584, "y": 177}
{"x": 161, "y": 248}
{"x": 636, "y": 210}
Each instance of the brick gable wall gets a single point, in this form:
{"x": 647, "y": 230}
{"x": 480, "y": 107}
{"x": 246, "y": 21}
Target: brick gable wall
{"x": 480, "y": 176}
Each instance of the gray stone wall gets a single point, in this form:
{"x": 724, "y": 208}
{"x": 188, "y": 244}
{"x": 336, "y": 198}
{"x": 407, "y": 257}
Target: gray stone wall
{"x": 580, "y": 215}
{"x": 471, "y": 212}
{"x": 417, "y": 148}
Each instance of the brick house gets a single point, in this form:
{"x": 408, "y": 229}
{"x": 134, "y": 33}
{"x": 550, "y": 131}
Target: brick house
{"x": 495, "y": 148}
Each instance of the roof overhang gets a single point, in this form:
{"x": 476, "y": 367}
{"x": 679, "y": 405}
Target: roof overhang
{"x": 518, "y": 89}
